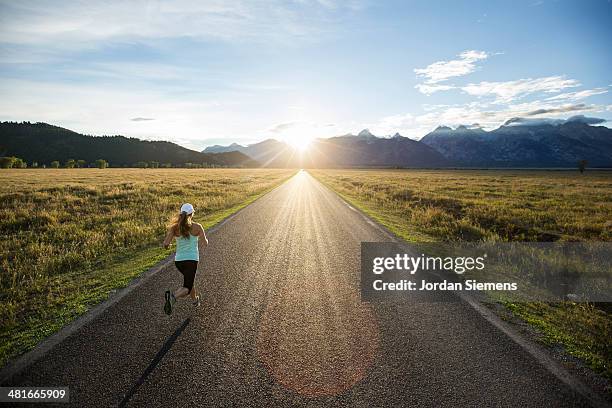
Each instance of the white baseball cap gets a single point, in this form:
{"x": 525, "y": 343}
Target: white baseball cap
{"x": 187, "y": 208}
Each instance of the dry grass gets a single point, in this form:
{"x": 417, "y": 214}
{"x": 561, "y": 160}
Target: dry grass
{"x": 68, "y": 235}
{"x": 484, "y": 205}
{"x": 420, "y": 205}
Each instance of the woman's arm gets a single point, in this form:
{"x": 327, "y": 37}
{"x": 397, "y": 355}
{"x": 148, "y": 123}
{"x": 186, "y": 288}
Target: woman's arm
{"x": 169, "y": 237}
{"x": 203, "y": 238}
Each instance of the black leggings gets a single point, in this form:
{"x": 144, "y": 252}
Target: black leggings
{"x": 188, "y": 269}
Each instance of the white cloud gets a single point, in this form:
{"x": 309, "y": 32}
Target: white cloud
{"x": 496, "y": 103}
{"x": 110, "y": 110}
{"x": 578, "y": 94}
{"x": 419, "y": 125}
{"x": 396, "y": 122}
{"x": 442, "y": 70}
{"x": 579, "y": 107}
{"x": 281, "y": 127}
{"x": 429, "y": 89}
{"x": 76, "y": 25}
{"x": 493, "y": 118}
{"x": 507, "y": 91}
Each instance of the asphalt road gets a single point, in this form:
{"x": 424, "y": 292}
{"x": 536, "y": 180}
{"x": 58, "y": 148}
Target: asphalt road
{"x": 281, "y": 324}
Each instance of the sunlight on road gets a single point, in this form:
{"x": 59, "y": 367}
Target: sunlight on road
{"x": 315, "y": 336}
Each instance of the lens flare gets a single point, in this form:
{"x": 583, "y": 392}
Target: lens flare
{"x": 300, "y": 143}
{"x": 300, "y": 350}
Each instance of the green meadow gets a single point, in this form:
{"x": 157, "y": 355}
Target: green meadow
{"x": 71, "y": 236}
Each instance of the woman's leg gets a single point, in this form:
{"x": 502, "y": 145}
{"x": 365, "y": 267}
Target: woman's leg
{"x": 195, "y": 297}
{"x": 181, "y": 292}
{"x": 188, "y": 269}
{"x": 191, "y": 267}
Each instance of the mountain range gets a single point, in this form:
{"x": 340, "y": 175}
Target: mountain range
{"x": 518, "y": 143}
{"x": 361, "y": 150}
{"x": 526, "y": 143}
{"x": 44, "y": 143}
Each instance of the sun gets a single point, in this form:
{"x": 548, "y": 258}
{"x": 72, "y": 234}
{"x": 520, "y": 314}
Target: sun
{"x": 299, "y": 142}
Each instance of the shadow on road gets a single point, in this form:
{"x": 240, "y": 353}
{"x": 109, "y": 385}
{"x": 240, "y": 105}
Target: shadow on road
{"x": 160, "y": 354}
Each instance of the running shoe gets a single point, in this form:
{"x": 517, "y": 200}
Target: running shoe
{"x": 168, "y": 305}
{"x": 196, "y": 302}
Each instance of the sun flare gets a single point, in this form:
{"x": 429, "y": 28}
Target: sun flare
{"x": 300, "y": 143}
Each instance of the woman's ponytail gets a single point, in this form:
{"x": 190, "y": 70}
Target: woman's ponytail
{"x": 183, "y": 224}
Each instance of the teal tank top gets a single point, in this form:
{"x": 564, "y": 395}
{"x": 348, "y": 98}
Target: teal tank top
{"x": 187, "y": 249}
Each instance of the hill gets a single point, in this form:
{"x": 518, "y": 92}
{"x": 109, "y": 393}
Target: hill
{"x": 234, "y": 147}
{"x": 44, "y": 143}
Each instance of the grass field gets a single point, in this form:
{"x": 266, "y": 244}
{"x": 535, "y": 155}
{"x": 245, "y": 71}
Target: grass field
{"x": 420, "y": 205}
{"x": 72, "y": 236}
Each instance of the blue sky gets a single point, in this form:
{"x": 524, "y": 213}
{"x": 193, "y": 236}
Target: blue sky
{"x": 200, "y": 73}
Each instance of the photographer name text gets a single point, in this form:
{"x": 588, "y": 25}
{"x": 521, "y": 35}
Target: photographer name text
{"x": 411, "y": 264}
{"x": 404, "y": 284}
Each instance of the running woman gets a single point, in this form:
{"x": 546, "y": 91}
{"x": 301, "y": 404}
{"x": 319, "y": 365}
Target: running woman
{"x": 187, "y": 234}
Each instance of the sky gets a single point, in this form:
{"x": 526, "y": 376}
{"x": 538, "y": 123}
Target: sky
{"x": 218, "y": 72}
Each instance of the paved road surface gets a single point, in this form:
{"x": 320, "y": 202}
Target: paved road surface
{"x": 282, "y": 325}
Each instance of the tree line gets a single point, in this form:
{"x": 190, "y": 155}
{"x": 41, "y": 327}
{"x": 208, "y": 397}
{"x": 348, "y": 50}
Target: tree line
{"x": 12, "y": 162}
{"x": 188, "y": 165}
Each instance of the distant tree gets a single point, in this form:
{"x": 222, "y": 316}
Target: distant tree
{"x": 19, "y": 164}
{"x": 34, "y": 165}
{"x": 81, "y": 163}
{"x": 141, "y": 164}
{"x": 582, "y": 164}
{"x": 166, "y": 165}
{"x": 189, "y": 165}
{"x": 70, "y": 163}
{"x": 101, "y": 163}
{"x": 7, "y": 162}
{"x": 154, "y": 164}
{"x": 55, "y": 164}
